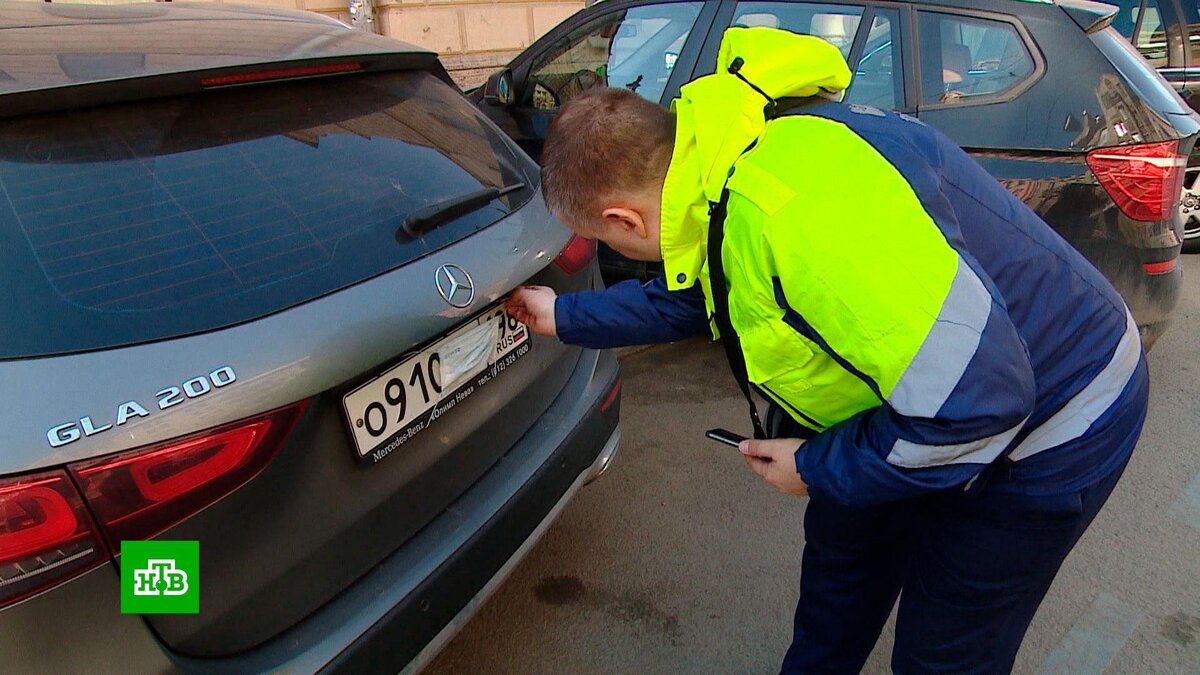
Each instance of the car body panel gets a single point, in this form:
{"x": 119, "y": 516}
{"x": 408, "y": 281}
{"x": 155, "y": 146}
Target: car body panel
{"x": 548, "y": 456}
{"x": 366, "y": 325}
{"x": 321, "y": 348}
{"x": 318, "y": 548}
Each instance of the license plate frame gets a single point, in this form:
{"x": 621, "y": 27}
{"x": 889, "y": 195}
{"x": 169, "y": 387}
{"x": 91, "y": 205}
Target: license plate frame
{"x": 388, "y": 410}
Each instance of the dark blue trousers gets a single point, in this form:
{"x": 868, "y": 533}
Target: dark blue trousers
{"x": 969, "y": 571}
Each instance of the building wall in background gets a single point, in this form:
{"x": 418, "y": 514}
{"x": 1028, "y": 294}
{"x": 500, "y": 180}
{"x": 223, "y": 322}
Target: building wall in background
{"x": 474, "y": 38}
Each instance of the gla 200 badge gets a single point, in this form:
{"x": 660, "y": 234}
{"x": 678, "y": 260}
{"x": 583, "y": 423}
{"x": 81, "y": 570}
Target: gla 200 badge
{"x": 69, "y": 432}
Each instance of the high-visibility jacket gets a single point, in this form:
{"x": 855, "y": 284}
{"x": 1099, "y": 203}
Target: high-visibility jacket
{"x": 889, "y": 294}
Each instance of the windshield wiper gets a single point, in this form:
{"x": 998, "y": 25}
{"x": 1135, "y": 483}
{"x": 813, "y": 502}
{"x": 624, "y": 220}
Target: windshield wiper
{"x": 430, "y": 216}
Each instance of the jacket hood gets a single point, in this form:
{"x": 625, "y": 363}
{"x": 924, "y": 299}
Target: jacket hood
{"x": 718, "y": 116}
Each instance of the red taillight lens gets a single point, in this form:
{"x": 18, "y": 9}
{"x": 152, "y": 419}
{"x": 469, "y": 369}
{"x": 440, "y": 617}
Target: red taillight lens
{"x": 1164, "y": 267}
{"x": 576, "y": 255}
{"x": 1144, "y": 180}
{"x": 612, "y": 396}
{"x": 140, "y": 493}
{"x": 46, "y": 534}
{"x": 279, "y": 74}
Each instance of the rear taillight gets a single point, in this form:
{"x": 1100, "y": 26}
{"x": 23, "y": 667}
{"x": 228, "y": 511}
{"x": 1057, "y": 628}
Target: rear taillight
{"x": 1144, "y": 180}
{"x": 46, "y": 534}
{"x": 576, "y": 255}
{"x": 137, "y": 494}
{"x": 612, "y": 396}
{"x": 1162, "y": 267}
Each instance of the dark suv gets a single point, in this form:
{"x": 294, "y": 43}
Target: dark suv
{"x": 1049, "y": 98}
{"x": 1167, "y": 33}
{"x": 252, "y": 263}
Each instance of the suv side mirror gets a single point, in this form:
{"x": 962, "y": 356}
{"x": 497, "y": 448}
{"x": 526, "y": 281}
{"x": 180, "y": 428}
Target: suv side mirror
{"x": 499, "y": 88}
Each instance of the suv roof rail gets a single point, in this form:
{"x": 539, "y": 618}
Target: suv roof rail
{"x": 1088, "y": 15}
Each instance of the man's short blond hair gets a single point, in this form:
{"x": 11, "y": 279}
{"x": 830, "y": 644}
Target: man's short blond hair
{"x": 605, "y": 143}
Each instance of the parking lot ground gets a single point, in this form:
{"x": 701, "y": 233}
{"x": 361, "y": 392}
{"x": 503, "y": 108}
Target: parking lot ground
{"x": 680, "y": 560}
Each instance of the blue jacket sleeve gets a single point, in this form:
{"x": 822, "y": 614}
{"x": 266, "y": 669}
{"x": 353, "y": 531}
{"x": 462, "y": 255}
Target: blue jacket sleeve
{"x": 630, "y": 313}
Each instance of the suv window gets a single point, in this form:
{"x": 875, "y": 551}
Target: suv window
{"x": 635, "y": 48}
{"x": 835, "y": 23}
{"x": 965, "y": 57}
{"x": 879, "y": 76}
{"x": 1190, "y": 19}
{"x": 159, "y": 218}
{"x": 1150, "y": 36}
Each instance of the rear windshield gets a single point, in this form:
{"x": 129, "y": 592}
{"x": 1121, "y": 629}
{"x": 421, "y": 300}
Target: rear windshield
{"x": 160, "y": 218}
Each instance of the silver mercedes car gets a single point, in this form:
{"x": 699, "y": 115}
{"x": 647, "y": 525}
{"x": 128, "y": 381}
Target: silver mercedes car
{"x": 253, "y": 264}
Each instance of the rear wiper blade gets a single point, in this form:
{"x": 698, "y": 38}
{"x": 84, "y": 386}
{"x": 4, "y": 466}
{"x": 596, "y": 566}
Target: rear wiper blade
{"x": 430, "y": 216}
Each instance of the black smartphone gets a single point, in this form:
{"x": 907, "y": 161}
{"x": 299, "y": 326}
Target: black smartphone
{"x": 725, "y": 436}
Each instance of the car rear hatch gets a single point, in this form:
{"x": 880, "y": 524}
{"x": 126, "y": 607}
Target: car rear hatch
{"x": 210, "y": 276}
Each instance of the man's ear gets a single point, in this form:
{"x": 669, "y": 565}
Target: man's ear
{"x": 628, "y": 221}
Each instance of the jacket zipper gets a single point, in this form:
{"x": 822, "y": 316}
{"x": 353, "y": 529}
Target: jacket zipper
{"x": 815, "y": 425}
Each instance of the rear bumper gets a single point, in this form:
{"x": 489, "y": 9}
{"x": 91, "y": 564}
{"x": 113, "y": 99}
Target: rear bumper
{"x": 400, "y": 612}
{"x": 464, "y": 615}
{"x": 419, "y": 625}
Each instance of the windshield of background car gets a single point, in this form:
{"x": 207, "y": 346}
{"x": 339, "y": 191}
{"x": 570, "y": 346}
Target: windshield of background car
{"x": 635, "y": 48}
{"x": 166, "y": 217}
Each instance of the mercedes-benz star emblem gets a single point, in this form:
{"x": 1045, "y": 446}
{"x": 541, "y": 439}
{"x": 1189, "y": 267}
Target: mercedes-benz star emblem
{"x": 455, "y": 285}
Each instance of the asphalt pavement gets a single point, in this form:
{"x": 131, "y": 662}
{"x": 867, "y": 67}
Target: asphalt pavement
{"x": 679, "y": 560}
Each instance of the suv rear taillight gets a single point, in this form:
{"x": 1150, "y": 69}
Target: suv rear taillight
{"x": 137, "y": 494}
{"x": 1144, "y": 180}
{"x": 47, "y": 534}
{"x": 576, "y": 255}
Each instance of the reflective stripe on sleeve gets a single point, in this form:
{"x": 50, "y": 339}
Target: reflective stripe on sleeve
{"x": 947, "y": 350}
{"x": 1077, "y": 416}
{"x": 983, "y": 451}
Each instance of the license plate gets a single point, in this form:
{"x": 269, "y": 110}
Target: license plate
{"x": 391, "y": 409}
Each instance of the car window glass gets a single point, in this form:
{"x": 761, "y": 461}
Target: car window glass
{"x": 1126, "y": 19}
{"x": 878, "y": 77}
{"x": 1191, "y": 20}
{"x": 835, "y": 23}
{"x": 635, "y": 48}
{"x": 964, "y": 58}
{"x": 1151, "y": 38}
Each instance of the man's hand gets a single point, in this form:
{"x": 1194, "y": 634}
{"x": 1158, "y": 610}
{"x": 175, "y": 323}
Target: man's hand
{"x": 534, "y": 307}
{"x": 775, "y": 461}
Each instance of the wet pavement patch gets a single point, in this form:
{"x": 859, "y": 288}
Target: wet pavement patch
{"x": 566, "y": 590}
{"x": 1181, "y": 627}
{"x": 560, "y": 590}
